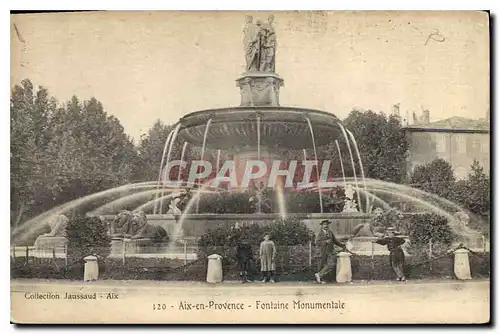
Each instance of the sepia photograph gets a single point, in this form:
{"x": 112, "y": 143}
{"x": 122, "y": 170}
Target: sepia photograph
{"x": 250, "y": 167}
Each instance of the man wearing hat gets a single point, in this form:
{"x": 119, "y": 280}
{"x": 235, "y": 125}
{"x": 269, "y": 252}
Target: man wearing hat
{"x": 396, "y": 254}
{"x": 328, "y": 260}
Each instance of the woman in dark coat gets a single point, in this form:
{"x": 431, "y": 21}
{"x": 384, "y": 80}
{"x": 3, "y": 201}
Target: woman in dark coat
{"x": 396, "y": 254}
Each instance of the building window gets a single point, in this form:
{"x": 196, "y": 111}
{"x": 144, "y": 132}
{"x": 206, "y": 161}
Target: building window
{"x": 440, "y": 143}
{"x": 485, "y": 147}
{"x": 461, "y": 144}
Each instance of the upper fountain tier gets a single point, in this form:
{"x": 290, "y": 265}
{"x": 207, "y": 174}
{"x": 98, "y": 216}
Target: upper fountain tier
{"x": 259, "y": 118}
{"x": 280, "y": 127}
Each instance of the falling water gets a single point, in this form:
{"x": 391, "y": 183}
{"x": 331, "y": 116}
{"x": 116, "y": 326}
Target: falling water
{"x": 317, "y": 166}
{"x": 368, "y": 209}
{"x": 398, "y": 188}
{"x": 147, "y": 205}
{"x": 258, "y": 137}
{"x": 341, "y": 163}
{"x": 182, "y": 159}
{"x": 424, "y": 203}
{"x": 161, "y": 163}
{"x": 352, "y": 162}
{"x": 178, "y": 228}
{"x": 175, "y": 192}
{"x": 207, "y": 127}
{"x": 259, "y": 203}
{"x": 280, "y": 197}
{"x": 116, "y": 205}
{"x": 385, "y": 205}
{"x": 167, "y": 176}
{"x": 35, "y": 224}
{"x": 218, "y": 162}
{"x": 305, "y": 154}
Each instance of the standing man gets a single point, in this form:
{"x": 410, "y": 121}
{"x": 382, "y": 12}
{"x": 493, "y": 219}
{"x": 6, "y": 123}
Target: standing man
{"x": 396, "y": 254}
{"x": 328, "y": 256}
{"x": 244, "y": 256}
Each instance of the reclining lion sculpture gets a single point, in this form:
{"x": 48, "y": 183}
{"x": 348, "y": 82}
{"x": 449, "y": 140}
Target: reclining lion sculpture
{"x": 57, "y": 226}
{"x": 135, "y": 226}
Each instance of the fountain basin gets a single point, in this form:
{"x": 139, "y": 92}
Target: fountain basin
{"x": 283, "y": 127}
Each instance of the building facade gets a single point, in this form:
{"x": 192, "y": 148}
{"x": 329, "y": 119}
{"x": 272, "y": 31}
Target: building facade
{"x": 457, "y": 140}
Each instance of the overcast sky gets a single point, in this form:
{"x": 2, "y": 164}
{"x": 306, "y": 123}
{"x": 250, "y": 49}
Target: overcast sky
{"x": 144, "y": 66}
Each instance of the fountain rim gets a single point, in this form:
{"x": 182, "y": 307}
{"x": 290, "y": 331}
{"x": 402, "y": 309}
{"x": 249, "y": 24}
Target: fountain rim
{"x": 207, "y": 114}
{"x": 257, "y": 216}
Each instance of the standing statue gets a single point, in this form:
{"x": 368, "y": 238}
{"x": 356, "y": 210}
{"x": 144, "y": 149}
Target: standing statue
{"x": 251, "y": 45}
{"x": 268, "y": 46}
{"x": 180, "y": 202}
{"x": 349, "y": 202}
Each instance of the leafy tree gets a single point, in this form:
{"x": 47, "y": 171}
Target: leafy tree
{"x": 30, "y": 124}
{"x": 88, "y": 153}
{"x": 62, "y": 153}
{"x": 435, "y": 177}
{"x": 150, "y": 151}
{"x": 382, "y": 144}
{"x": 474, "y": 193}
{"x": 426, "y": 227}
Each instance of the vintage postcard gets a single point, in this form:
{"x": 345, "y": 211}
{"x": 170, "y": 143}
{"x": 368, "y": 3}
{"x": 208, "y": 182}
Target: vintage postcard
{"x": 250, "y": 167}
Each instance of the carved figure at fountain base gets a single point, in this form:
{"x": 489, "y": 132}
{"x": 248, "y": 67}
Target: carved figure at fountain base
{"x": 464, "y": 234}
{"x": 135, "y": 230}
{"x": 350, "y": 206}
{"x": 56, "y": 238}
{"x": 259, "y": 89}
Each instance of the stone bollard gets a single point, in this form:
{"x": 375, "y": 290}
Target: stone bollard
{"x": 344, "y": 272}
{"x": 91, "y": 269}
{"x": 462, "y": 267}
{"x": 214, "y": 270}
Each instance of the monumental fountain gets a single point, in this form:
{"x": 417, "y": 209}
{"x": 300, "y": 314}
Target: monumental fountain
{"x": 259, "y": 130}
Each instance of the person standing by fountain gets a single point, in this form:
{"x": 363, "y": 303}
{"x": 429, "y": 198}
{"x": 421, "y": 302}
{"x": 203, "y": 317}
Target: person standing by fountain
{"x": 244, "y": 256}
{"x": 267, "y": 254}
{"x": 328, "y": 256}
{"x": 396, "y": 254}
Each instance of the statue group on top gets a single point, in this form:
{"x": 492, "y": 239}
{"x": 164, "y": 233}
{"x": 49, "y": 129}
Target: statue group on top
{"x": 259, "y": 45}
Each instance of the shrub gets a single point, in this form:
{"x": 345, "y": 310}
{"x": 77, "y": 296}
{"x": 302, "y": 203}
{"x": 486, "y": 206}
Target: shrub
{"x": 225, "y": 203}
{"x": 426, "y": 227}
{"x": 87, "y": 236}
{"x": 384, "y": 219}
{"x": 240, "y": 202}
{"x": 304, "y": 202}
{"x": 224, "y": 241}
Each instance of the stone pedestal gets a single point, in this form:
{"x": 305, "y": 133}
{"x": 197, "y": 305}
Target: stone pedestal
{"x": 344, "y": 272}
{"x": 91, "y": 269}
{"x": 462, "y": 267}
{"x": 214, "y": 270}
{"x": 259, "y": 89}
{"x": 117, "y": 246}
{"x": 48, "y": 243}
